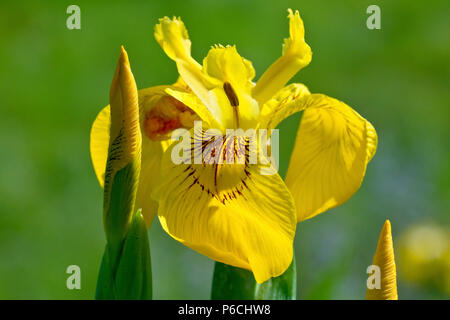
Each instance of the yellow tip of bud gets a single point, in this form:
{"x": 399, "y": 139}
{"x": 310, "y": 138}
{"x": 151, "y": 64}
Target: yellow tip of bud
{"x": 123, "y": 58}
{"x": 384, "y": 259}
{"x": 125, "y": 109}
{"x": 386, "y": 231}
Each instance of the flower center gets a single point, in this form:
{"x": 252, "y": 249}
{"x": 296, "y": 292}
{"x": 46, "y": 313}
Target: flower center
{"x": 224, "y": 168}
{"x": 167, "y": 115}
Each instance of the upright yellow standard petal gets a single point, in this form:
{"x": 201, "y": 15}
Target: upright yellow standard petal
{"x": 173, "y": 38}
{"x": 226, "y": 65}
{"x": 232, "y": 75}
{"x": 296, "y": 55}
{"x": 384, "y": 259}
{"x": 333, "y": 147}
{"x": 223, "y": 84}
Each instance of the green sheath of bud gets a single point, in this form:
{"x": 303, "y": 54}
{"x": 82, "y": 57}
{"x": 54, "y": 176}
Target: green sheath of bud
{"x": 132, "y": 277}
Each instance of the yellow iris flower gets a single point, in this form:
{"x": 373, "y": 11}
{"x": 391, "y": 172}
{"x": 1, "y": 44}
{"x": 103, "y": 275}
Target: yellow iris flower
{"x": 233, "y": 213}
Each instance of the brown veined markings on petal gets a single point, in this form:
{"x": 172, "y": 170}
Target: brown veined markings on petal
{"x": 219, "y": 178}
{"x": 115, "y": 155}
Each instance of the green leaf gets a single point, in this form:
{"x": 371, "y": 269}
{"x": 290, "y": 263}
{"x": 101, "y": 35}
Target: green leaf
{"x": 231, "y": 283}
{"x": 130, "y": 276}
{"x": 283, "y": 287}
{"x": 105, "y": 283}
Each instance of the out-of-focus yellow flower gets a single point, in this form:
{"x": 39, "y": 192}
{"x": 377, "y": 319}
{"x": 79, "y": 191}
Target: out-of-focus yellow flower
{"x": 424, "y": 256}
{"x": 384, "y": 259}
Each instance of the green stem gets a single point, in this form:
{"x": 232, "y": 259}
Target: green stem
{"x": 130, "y": 275}
{"x": 231, "y": 283}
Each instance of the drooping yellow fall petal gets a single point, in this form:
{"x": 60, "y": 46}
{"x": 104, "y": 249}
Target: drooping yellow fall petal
{"x": 228, "y": 212}
{"x": 384, "y": 259}
{"x": 333, "y": 147}
{"x": 296, "y": 55}
{"x": 151, "y": 160}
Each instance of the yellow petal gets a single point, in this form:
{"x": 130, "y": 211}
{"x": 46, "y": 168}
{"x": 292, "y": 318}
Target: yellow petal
{"x": 332, "y": 149}
{"x": 151, "y": 160}
{"x": 162, "y": 113}
{"x": 230, "y": 213}
{"x": 223, "y": 66}
{"x": 99, "y": 143}
{"x": 384, "y": 259}
{"x": 173, "y": 38}
{"x": 210, "y": 116}
{"x": 232, "y": 76}
{"x": 283, "y": 104}
{"x": 296, "y": 55}
{"x": 226, "y": 65}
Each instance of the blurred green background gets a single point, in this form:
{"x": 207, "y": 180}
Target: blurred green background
{"x": 54, "y": 81}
